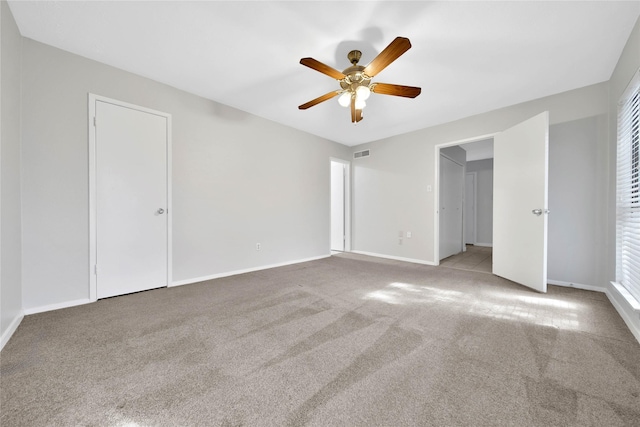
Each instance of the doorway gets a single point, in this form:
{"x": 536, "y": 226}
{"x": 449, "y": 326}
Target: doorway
{"x": 520, "y": 205}
{"x": 340, "y": 206}
{"x": 476, "y": 199}
{"x": 470, "y": 194}
{"x": 479, "y": 198}
{"x": 130, "y": 198}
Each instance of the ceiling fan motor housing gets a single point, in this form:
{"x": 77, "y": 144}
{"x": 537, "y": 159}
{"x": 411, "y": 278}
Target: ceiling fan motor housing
{"x": 354, "y": 78}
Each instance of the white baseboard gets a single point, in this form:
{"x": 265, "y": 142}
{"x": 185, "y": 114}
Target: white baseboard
{"x": 576, "y": 285}
{"x": 11, "y": 329}
{"x": 633, "y": 303}
{"x": 247, "y": 270}
{"x": 629, "y": 314}
{"x": 396, "y": 258}
{"x": 51, "y": 307}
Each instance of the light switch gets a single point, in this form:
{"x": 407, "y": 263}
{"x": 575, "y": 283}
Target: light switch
{"x": 408, "y": 234}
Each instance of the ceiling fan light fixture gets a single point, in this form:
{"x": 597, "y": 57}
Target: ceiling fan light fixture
{"x": 345, "y": 99}
{"x": 363, "y": 92}
{"x": 360, "y": 104}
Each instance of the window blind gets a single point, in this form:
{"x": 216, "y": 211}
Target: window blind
{"x": 628, "y": 191}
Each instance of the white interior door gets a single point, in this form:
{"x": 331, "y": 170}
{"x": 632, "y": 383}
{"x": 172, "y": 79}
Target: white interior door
{"x": 470, "y": 208}
{"x": 131, "y": 200}
{"x": 520, "y": 170}
{"x": 337, "y": 206}
{"x": 451, "y": 193}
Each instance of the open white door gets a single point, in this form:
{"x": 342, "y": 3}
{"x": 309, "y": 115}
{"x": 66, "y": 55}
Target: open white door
{"x": 337, "y": 206}
{"x": 520, "y": 170}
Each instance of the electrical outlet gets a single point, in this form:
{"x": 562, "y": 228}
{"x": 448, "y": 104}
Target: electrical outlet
{"x": 400, "y": 241}
{"x": 258, "y": 246}
{"x": 400, "y": 234}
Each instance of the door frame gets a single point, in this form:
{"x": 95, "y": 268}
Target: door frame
{"x": 347, "y": 202}
{"x": 436, "y": 188}
{"x": 474, "y": 220}
{"x": 91, "y": 129}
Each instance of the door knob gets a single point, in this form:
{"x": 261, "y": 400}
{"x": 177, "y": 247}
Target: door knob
{"x": 539, "y": 212}
{"x": 160, "y": 211}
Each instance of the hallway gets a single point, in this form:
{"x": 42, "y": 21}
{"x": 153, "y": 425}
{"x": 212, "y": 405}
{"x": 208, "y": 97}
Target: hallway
{"x": 476, "y": 258}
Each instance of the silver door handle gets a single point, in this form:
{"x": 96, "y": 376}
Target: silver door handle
{"x": 160, "y": 211}
{"x": 539, "y": 212}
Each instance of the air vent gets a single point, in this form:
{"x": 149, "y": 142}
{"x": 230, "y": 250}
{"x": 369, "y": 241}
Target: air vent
{"x": 359, "y": 154}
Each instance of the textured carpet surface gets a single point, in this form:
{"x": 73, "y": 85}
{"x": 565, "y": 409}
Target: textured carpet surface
{"x": 344, "y": 341}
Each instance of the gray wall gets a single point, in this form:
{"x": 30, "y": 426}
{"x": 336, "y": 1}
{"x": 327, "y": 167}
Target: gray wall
{"x": 627, "y": 66}
{"x": 391, "y": 187}
{"x": 577, "y": 194}
{"x": 237, "y": 179}
{"x": 10, "y": 215}
{"x": 484, "y": 200}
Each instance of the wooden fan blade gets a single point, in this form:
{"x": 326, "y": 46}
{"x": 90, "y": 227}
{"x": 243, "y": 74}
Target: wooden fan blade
{"x": 358, "y": 115}
{"x": 353, "y": 109}
{"x": 323, "y": 68}
{"x": 390, "y": 53}
{"x": 319, "y": 99}
{"x": 397, "y": 90}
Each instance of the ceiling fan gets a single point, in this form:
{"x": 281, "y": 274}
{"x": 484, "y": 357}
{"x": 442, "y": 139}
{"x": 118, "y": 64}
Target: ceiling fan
{"x": 355, "y": 81}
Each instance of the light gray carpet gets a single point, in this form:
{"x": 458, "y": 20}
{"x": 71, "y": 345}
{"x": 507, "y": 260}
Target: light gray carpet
{"x": 344, "y": 341}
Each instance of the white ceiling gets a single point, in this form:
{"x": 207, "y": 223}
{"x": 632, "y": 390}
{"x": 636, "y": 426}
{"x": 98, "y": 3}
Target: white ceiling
{"x": 468, "y": 57}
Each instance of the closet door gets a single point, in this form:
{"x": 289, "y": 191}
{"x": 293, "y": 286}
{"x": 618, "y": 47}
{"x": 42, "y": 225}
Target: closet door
{"x": 451, "y": 193}
{"x": 131, "y": 200}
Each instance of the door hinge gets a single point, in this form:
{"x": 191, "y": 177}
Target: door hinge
{"x": 94, "y": 121}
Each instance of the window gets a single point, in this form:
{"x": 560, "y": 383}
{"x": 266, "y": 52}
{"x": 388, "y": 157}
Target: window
{"x": 628, "y": 191}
